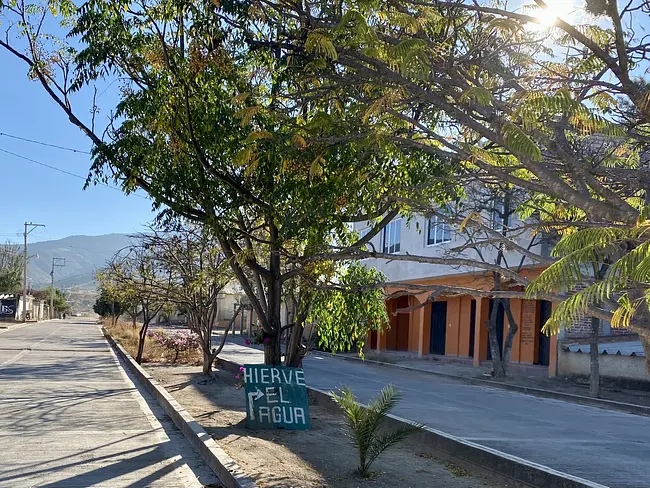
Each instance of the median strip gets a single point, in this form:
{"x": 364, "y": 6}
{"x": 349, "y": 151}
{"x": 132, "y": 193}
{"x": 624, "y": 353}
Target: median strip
{"x": 465, "y": 453}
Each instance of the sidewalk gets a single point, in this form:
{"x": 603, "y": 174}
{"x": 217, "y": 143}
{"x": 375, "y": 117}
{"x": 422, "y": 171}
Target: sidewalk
{"x": 72, "y": 416}
{"x": 603, "y": 446}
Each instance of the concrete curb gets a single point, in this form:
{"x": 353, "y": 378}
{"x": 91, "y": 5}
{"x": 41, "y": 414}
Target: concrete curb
{"x": 465, "y": 453}
{"x": 228, "y": 471}
{"x": 539, "y": 392}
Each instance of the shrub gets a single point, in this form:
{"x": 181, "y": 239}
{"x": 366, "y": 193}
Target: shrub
{"x": 177, "y": 341}
{"x": 364, "y": 424}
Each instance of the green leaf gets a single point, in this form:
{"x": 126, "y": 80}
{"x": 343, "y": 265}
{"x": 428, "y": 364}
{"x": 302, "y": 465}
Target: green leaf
{"x": 518, "y": 142}
{"x": 318, "y": 42}
{"x": 477, "y": 93}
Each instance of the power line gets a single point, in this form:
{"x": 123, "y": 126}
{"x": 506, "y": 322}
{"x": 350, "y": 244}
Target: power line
{"x": 66, "y": 172}
{"x": 44, "y": 143}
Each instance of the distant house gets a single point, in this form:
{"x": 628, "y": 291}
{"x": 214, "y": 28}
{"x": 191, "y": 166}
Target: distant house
{"x": 11, "y": 308}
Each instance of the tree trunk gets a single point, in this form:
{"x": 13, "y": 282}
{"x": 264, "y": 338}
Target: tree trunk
{"x": 295, "y": 352}
{"x": 512, "y": 330}
{"x": 142, "y": 335}
{"x": 206, "y": 349}
{"x": 498, "y": 370}
{"x": 594, "y": 366}
{"x": 208, "y": 359}
{"x": 272, "y": 354}
{"x": 138, "y": 358}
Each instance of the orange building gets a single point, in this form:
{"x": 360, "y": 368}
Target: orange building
{"x": 455, "y": 325}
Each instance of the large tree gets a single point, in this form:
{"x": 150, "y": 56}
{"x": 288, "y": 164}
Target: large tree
{"x": 553, "y": 106}
{"x": 204, "y": 128}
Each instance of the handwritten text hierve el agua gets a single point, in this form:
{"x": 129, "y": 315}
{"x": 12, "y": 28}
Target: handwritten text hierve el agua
{"x": 276, "y": 397}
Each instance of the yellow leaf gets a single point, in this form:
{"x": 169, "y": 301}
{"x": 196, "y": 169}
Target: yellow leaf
{"x": 471, "y": 216}
{"x": 246, "y": 114}
{"x": 244, "y": 157}
{"x": 299, "y": 141}
{"x": 257, "y": 135}
{"x": 316, "y": 169}
{"x": 241, "y": 97}
{"x": 251, "y": 167}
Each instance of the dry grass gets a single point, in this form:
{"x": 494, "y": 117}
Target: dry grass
{"x": 125, "y": 334}
{"x": 457, "y": 471}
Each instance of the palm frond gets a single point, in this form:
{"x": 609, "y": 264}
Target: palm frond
{"x": 365, "y": 423}
{"x": 389, "y": 439}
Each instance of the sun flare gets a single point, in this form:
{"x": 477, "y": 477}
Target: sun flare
{"x": 563, "y": 9}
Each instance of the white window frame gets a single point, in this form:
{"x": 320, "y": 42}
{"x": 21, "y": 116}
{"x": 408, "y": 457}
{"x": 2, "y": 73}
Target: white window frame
{"x": 437, "y": 222}
{"x": 394, "y": 230}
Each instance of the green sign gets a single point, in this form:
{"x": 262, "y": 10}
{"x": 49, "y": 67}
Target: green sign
{"x": 276, "y": 397}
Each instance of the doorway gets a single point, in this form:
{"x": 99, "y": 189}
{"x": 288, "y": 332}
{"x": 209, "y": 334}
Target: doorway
{"x": 373, "y": 339}
{"x": 544, "y": 341}
{"x": 472, "y": 328}
{"x": 438, "y": 328}
{"x": 398, "y": 335}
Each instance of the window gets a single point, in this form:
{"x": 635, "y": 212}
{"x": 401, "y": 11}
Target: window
{"x": 438, "y": 231}
{"x": 497, "y": 216}
{"x": 364, "y": 232}
{"x": 393, "y": 236}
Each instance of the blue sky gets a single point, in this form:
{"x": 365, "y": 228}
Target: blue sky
{"x": 34, "y": 193}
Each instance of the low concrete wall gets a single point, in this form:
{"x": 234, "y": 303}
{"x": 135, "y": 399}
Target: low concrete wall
{"x": 612, "y": 366}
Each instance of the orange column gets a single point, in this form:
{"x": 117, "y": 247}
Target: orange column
{"x": 453, "y": 326}
{"x": 416, "y": 325}
{"x": 463, "y": 329}
{"x": 480, "y": 330}
{"x": 528, "y": 330}
{"x": 426, "y": 329}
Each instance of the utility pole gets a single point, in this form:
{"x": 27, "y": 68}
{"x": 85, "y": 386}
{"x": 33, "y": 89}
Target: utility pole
{"x": 32, "y": 226}
{"x": 56, "y": 262}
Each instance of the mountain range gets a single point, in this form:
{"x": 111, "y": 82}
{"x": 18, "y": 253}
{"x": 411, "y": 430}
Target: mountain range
{"x": 84, "y": 255}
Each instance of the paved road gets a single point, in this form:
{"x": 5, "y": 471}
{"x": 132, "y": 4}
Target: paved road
{"x": 70, "y": 416}
{"x": 604, "y": 446}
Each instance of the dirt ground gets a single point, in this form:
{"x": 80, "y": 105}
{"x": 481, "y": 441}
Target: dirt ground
{"x": 321, "y": 457}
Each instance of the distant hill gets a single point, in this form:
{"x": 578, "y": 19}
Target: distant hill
{"x": 83, "y": 256}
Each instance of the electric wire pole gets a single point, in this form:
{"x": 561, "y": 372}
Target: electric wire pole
{"x": 55, "y": 263}
{"x": 25, "y": 258}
